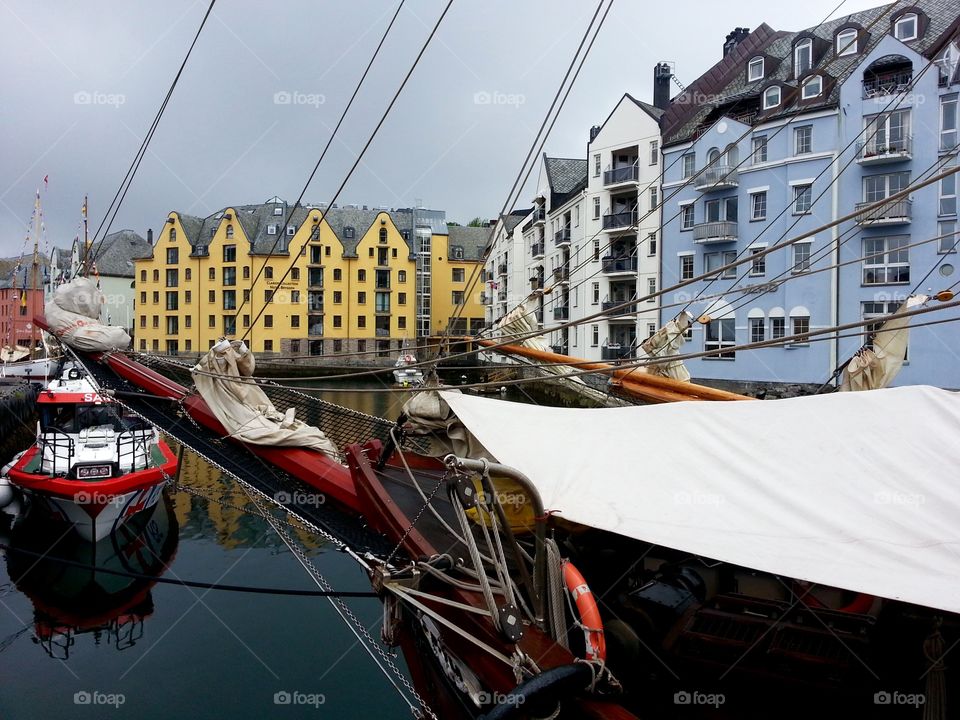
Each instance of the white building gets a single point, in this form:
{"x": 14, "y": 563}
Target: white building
{"x": 505, "y": 272}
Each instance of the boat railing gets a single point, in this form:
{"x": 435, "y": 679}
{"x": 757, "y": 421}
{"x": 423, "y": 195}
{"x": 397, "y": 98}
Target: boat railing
{"x": 56, "y": 450}
{"x": 133, "y": 449}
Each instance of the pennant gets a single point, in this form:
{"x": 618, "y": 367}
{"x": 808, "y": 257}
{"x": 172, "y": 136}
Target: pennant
{"x": 46, "y": 181}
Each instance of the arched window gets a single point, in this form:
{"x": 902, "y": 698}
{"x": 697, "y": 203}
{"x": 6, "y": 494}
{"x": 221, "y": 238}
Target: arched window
{"x": 229, "y": 232}
{"x": 713, "y": 156}
{"x": 731, "y": 155}
{"x": 383, "y": 234}
{"x": 846, "y": 42}
{"x": 812, "y": 87}
{"x": 906, "y": 27}
{"x": 771, "y": 97}
{"x": 755, "y": 69}
{"x": 173, "y": 234}
{"x": 802, "y": 57}
{"x": 156, "y": 276}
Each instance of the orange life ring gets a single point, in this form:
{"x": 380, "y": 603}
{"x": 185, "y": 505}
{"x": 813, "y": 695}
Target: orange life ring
{"x": 589, "y": 612}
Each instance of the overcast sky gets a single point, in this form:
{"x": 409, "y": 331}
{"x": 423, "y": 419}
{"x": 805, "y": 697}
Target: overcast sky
{"x": 267, "y": 82}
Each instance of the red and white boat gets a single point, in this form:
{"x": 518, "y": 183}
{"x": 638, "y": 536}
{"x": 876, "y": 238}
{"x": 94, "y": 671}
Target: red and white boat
{"x": 92, "y": 466}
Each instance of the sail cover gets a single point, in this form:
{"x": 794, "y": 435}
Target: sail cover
{"x": 850, "y": 490}
{"x": 876, "y": 366}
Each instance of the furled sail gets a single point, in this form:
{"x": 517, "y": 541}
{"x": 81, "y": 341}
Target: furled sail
{"x": 875, "y": 367}
{"x": 223, "y": 379}
{"x": 666, "y": 342}
{"x": 73, "y": 315}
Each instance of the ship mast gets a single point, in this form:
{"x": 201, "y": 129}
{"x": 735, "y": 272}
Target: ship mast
{"x": 34, "y": 273}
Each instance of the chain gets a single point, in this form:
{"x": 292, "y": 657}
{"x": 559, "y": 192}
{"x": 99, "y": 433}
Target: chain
{"x": 416, "y": 519}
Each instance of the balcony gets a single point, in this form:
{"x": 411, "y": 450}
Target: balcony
{"x": 622, "y": 311}
{"x": 717, "y": 177}
{"x": 619, "y": 265}
{"x": 561, "y": 313}
{"x": 897, "y": 212}
{"x": 315, "y": 330}
{"x": 715, "y": 232}
{"x": 538, "y": 217}
{"x": 620, "y": 221}
{"x": 615, "y": 352}
{"x": 536, "y": 250}
{"x": 562, "y": 237}
{"x": 383, "y": 332}
{"x": 559, "y": 349}
{"x": 876, "y": 152}
{"x": 502, "y": 269}
{"x": 620, "y": 175}
{"x": 890, "y": 83}
{"x": 561, "y": 275}
{"x": 536, "y": 282}
{"x": 502, "y": 296}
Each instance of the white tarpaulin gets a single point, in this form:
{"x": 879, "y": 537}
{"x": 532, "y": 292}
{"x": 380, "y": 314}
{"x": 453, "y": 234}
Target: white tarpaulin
{"x": 244, "y": 409}
{"x": 73, "y": 315}
{"x": 851, "y": 490}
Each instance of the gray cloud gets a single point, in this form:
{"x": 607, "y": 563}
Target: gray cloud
{"x": 267, "y": 82}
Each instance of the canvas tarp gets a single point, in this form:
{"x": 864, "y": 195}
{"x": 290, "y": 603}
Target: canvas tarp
{"x": 73, "y": 315}
{"x": 875, "y": 367}
{"x": 666, "y": 342}
{"x": 244, "y": 409}
{"x": 851, "y": 490}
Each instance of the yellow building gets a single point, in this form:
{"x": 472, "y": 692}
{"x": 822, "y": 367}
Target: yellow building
{"x": 347, "y": 280}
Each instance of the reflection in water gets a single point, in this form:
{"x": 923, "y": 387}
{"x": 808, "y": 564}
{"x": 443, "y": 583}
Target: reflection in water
{"x": 71, "y": 600}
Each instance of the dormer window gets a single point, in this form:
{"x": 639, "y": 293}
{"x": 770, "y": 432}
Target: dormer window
{"x": 846, "y": 42}
{"x": 802, "y": 57}
{"x": 755, "y": 69}
{"x": 278, "y": 211}
{"x": 812, "y": 87}
{"x": 348, "y": 232}
{"x": 271, "y": 229}
{"x": 291, "y": 230}
{"x": 771, "y": 97}
{"x": 905, "y": 27}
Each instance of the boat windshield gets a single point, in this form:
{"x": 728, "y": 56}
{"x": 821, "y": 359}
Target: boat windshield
{"x": 72, "y": 418}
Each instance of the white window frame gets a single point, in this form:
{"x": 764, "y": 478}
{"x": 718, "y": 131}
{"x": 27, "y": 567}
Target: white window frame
{"x": 684, "y": 261}
{"x": 805, "y": 132}
{"x": 752, "y": 73}
{"x": 759, "y": 154}
{"x": 654, "y": 152}
{"x": 596, "y": 165}
{"x": 576, "y": 216}
{"x": 844, "y": 44}
{"x": 757, "y": 323}
{"x": 807, "y": 91}
{"x": 596, "y": 208}
{"x": 798, "y": 192}
{"x": 654, "y": 198}
{"x": 271, "y": 229}
{"x": 906, "y": 17}
{"x": 948, "y": 245}
{"x": 596, "y": 250}
{"x": 804, "y": 45}
{"x": 768, "y": 104}
{"x": 947, "y": 202}
{"x": 652, "y": 289}
{"x": 802, "y": 251}
{"x": 595, "y": 294}
{"x": 794, "y": 330}
{"x": 754, "y": 197}
{"x": 594, "y": 335}
{"x": 684, "y": 210}
{"x": 724, "y": 327}
{"x": 948, "y": 108}
{"x": 882, "y": 264}
{"x": 688, "y": 164}
{"x": 758, "y": 268}
{"x": 651, "y": 244}
{"x": 778, "y": 327}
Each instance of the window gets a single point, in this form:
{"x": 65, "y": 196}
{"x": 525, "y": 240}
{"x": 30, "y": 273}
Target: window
{"x": 802, "y": 140}
{"x": 337, "y": 274}
{"x": 948, "y": 122}
{"x": 689, "y": 164}
{"x": 268, "y": 272}
{"x": 173, "y": 256}
{"x": 758, "y": 331}
{"x": 880, "y": 187}
{"x": 294, "y": 297}
{"x": 596, "y": 208}
{"x": 595, "y": 293}
{"x": 382, "y": 302}
{"x": 337, "y": 297}
{"x": 459, "y": 275}
{"x": 755, "y": 69}
{"x": 156, "y": 297}
{"x": 596, "y": 165}
{"x": 401, "y": 276}
{"x": 651, "y": 244}
{"x": 229, "y": 299}
{"x": 686, "y": 217}
{"x": 326, "y": 251}
{"x": 758, "y": 205}
{"x": 173, "y": 234}
{"x": 143, "y": 276}
{"x": 802, "y": 57}
{"x": 362, "y": 274}
{"x": 173, "y": 325}
{"x": 143, "y": 321}
{"x": 361, "y": 321}
{"x": 721, "y": 209}
{"x": 778, "y": 327}
{"x": 229, "y": 276}
{"x": 295, "y": 273}
{"x": 401, "y": 298}
{"x": 246, "y": 295}
{"x": 846, "y": 42}
{"x": 686, "y": 267}
{"x": 594, "y": 335}
{"x": 212, "y": 273}
{"x": 720, "y": 334}
{"x": 801, "y": 326}
{"x": 712, "y": 262}
{"x": 271, "y": 229}
{"x": 948, "y": 195}
{"x": 759, "y": 265}
{"x": 337, "y": 345}
{"x": 156, "y": 276}
{"x": 456, "y": 297}
{"x": 905, "y": 28}
{"x": 212, "y": 321}
{"x": 173, "y": 301}
{"x": 651, "y": 290}
{"x": 812, "y": 87}
{"x": 576, "y": 216}
{"x": 771, "y": 97}
{"x": 654, "y": 198}
{"x": 654, "y": 152}
{"x": 229, "y": 232}
{"x": 361, "y": 298}
{"x": 229, "y": 325}
{"x": 278, "y": 211}
{"x": 246, "y": 321}
{"x": 370, "y": 252}
{"x": 291, "y": 230}
{"x": 172, "y": 278}
{"x": 760, "y": 149}
{"x": 801, "y": 257}
{"x": 229, "y": 253}
{"x": 802, "y": 199}
{"x": 886, "y": 133}
{"x": 187, "y": 297}
{"x": 188, "y": 321}
{"x": 393, "y": 252}
{"x": 212, "y": 296}
{"x": 337, "y": 322}
{"x": 268, "y": 321}
{"x": 885, "y": 260}
{"x": 143, "y": 298}
{"x": 949, "y": 236}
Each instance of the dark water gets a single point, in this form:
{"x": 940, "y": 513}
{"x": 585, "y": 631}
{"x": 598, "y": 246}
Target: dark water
{"x": 163, "y": 651}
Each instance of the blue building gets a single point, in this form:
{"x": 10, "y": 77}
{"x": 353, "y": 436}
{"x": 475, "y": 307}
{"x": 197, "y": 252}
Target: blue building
{"x": 788, "y": 132}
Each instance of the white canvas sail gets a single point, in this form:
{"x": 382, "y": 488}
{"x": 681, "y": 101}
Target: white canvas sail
{"x": 876, "y": 367}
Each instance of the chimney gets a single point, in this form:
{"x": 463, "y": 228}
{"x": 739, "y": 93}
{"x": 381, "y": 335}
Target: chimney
{"x": 150, "y": 236}
{"x": 734, "y": 39}
{"x": 661, "y": 85}
{"x": 594, "y": 131}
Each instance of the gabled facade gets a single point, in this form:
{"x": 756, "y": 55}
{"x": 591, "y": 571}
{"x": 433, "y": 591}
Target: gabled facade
{"x": 789, "y": 132}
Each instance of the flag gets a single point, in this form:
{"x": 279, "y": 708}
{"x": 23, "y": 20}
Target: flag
{"x": 46, "y": 181}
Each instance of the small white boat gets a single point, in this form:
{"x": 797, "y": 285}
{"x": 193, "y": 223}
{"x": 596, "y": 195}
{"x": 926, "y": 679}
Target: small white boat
{"x": 40, "y": 370}
{"x": 405, "y": 372}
